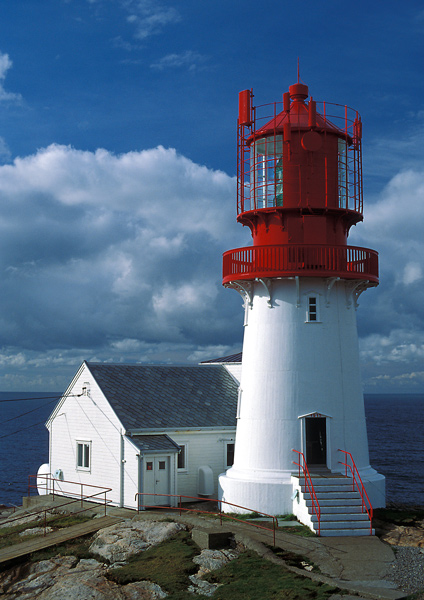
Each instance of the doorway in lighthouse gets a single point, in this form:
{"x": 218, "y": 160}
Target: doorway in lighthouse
{"x": 316, "y": 440}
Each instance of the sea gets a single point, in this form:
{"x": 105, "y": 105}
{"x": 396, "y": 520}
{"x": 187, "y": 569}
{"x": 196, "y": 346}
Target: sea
{"x": 395, "y": 424}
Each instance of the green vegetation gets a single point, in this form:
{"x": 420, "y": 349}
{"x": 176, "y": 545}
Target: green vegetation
{"x": 250, "y": 577}
{"x": 10, "y": 535}
{"x": 78, "y": 547}
{"x": 292, "y": 559}
{"x": 168, "y": 564}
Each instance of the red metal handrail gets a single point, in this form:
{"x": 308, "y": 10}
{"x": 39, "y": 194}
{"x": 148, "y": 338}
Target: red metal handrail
{"x": 219, "y": 502}
{"x": 308, "y": 484}
{"x": 357, "y": 481}
{"x": 305, "y": 260}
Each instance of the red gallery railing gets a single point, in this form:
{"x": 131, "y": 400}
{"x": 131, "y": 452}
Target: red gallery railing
{"x": 316, "y": 510}
{"x": 357, "y": 482}
{"x": 305, "y": 260}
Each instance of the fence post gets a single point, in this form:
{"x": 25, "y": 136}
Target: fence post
{"x": 82, "y": 503}
{"x": 53, "y": 487}
{"x": 180, "y": 503}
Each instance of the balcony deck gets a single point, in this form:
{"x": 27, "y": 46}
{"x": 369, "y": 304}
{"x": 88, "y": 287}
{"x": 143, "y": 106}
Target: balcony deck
{"x": 303, "y": 260}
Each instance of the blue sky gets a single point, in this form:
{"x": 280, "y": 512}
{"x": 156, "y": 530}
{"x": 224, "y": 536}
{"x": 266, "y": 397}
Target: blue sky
{"x": 117, "y": 166}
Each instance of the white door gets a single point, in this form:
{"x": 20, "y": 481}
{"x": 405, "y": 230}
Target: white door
{"x": 156, "y": 481}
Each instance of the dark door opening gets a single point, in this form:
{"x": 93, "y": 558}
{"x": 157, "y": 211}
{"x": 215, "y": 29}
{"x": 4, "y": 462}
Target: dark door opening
{"x": 316, "y": 440}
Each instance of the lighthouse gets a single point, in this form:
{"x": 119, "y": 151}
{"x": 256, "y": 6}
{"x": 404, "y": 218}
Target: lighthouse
{"x": 300, "y": 415}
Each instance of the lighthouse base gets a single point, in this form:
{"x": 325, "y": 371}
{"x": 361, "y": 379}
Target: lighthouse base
{"x": 272, "y": 496}
{"x": 279, "y": 493}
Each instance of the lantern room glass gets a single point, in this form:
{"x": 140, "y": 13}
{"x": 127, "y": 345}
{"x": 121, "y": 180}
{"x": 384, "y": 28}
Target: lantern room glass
{"x": 343, "y": 174}
{"x": 266, "y": 177}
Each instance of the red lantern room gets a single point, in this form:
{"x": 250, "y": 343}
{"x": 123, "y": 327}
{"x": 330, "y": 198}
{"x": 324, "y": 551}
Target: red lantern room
{"x": 299, "y": 190}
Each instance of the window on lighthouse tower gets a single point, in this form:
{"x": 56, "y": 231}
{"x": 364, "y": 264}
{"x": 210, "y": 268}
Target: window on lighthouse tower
{"x": 312, "y": 312}
{"x": 267, "y": 172}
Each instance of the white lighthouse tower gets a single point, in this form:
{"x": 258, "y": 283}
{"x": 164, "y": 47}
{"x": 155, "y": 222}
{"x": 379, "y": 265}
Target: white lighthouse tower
{"x": 300, "y": 399}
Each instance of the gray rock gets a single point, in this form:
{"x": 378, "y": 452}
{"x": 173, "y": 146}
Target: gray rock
{"x": 118, "y": 542}
{"x": 65, "y": 578}
{"x": 35, "y": 531}
{"x": 209, "y": 560}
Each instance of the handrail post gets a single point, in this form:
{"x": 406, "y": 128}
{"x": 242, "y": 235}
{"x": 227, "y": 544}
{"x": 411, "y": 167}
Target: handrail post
{"x": 53, "y": 487}
{"x": 81, "y": 496}
{"x": 220, "y": 513}
{"x": 45, "y": 523}
{"x": 105, "y": 502}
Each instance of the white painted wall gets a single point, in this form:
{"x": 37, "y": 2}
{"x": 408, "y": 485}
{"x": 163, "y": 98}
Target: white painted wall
{"x": 292, "y": 368}
{"x": 234, "y": 369}
{"x": 203, "y": 448}
{"x": 88, "y": 418}
{"x": 114, "y": 462}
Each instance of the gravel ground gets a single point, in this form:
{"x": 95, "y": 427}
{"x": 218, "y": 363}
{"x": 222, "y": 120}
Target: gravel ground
{"x": 408, "y": 570}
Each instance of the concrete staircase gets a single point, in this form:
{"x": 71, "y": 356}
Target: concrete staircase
{"x": 341, "y": 508}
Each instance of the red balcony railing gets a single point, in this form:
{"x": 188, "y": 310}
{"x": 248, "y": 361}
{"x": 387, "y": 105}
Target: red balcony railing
{"x": 304, "y": 260}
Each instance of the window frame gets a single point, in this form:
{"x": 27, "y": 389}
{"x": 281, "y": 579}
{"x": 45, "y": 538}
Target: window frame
{"x": 184, "y": 453}
{"x": 228, "y": 443}
{"x": 312, "y": 316}
{"x": 83, "y": 444}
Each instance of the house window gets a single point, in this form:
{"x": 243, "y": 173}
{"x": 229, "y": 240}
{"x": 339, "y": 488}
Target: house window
{"x": 229, "y": 454}
{"x": 182, "y": 458}
{"x": 84, "y": 455}
{"x": 312, "y": 309}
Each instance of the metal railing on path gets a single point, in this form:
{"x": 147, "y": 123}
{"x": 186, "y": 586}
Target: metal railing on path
{"x": 222, "y": 515}
{"x": 76, "y": 497}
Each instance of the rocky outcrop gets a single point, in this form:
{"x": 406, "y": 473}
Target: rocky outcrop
{"x": 67, "y": 577}
{"x": 87, "y": 579}
{"x": 209, "y": 560}
{"x": 116, "y": 543}
{"x": 401, "y": 535}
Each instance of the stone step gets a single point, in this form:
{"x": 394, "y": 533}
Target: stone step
{"x": 333, "y": 496}
{"x": 340, "y": 510}
{"x": 345, "y": 516}
{"x": 337, "y": 502}
{"x": 323, "y": 489}
{"x": 344, "y": 524}
{"x": 346, "y": 532}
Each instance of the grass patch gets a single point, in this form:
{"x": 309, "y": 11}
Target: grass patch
{"x": 168, "y": 564}
{"x": 78, "y": 547}
{"x": 10, "y": 535}
{"x": 300, "y": 529}
{"x": 292, "y": 559}
{"x": 250, "y": 577}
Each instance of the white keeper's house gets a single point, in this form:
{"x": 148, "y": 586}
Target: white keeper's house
{"x": 145, "y": 429}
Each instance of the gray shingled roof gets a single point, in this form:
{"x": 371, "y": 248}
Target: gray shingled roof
{"x": 231, "y": 358}
{"x": 155, "y": 443}
{"x": 168, "y": 396}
